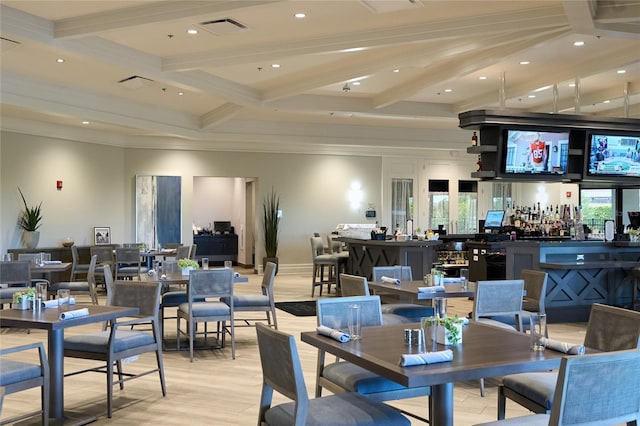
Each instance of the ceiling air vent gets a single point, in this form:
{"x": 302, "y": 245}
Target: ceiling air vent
{"x": 222, "y": 26}
{"x": 134, "y": 82}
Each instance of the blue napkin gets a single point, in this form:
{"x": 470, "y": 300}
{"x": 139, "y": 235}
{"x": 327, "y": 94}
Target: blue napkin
{"x": 431, "y": 289}
{"x": 334, "y": 334}
{"x": 84, "y": 312}
{"x": 390, "y": 280}
{"x": 408, "y": 360}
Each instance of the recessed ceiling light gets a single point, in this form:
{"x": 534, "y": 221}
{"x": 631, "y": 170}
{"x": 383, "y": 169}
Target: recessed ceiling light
{"x": 180, "y": 93}
{"x": 572, "y": 85}
{"x": 85, "y": 122}
{"x": 482, "y": 77}
{"x": 607, "y": 101}
{"x": 579, "y": 43}
{"x": 300, "y": 15}
{"x": 353, "y": 49}
{"x": 275, "y": 65}
{"x": 356, "y": 83}
{"x": 524, "y": 62}
{"x": 396, "y": 70}
{"x": 59, "y": 60}
{"x": 531, "y": 96}
{"x": 192, "y": 31}
{"x": 621, "y": 71}
{"x": 448, "y": 90}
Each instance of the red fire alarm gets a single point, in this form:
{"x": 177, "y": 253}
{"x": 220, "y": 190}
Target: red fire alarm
{"x": 59, "y": 184}
{"x": 568, "y": 194}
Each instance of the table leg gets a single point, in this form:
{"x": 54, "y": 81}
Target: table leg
{"x": 56, "y": 373}
{"x": 442, "y": 400}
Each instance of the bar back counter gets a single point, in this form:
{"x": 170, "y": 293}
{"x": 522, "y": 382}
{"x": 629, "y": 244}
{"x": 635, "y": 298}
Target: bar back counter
{"x": 580, "y": 273}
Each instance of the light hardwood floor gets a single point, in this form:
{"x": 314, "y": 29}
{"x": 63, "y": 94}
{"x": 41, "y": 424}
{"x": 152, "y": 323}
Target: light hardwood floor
{"x": 216, "y": 390}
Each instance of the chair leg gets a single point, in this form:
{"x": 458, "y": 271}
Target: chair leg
{"x": 191, "y": 337}
{"x": 482, "y": 388}
{"x": 44, "y": 395}
{"x": 109, "y": 387}
{"x": 161, "y": 369}
{"x": 502, "y": 403}
{"x": 120, "y": 378}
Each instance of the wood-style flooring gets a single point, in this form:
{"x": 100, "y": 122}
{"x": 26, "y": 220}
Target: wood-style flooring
{"x": 216, "y": 390}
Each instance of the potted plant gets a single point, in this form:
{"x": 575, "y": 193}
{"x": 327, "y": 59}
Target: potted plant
{"x": 30, "y": 220}
{"x": 270, "y": 223}
{"x": 187, "y": 265}
{"x": 449, "y": 330}
{"x": 22, "y": 299}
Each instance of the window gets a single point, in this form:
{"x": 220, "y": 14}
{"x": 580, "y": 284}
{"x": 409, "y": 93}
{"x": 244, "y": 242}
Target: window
{"x": 597, "y": 206}
{"x": 467, "y": 207}
{"x": 501, "y": 196}
{"x": 438, "y": 203}
{"x": 401, "y": 202}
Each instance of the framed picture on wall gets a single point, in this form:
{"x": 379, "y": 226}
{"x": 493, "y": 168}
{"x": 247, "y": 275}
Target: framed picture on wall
{"x": 101, "y": 235}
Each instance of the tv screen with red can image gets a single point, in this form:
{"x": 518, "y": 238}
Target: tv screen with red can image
{"x": 536, "y": 152}
{"x": 614, "y": 155}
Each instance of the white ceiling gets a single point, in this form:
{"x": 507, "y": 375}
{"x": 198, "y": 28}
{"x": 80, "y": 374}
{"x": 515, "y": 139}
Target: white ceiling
{"x": 233, "y": 99}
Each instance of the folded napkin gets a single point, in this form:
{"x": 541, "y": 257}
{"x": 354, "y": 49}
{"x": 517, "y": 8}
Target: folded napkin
{"x": 74, "y": 314}
{"x": 564, "y": 347}
{"x": 52, "y": 262}
{"x": 334, "y": 334}
{"x": 451, "y": 280}
{"x": 54, "y": 303}
{"x": 408, "y": 360}
{"x": 390, "y": 280}
{"x": 431, "y": 289}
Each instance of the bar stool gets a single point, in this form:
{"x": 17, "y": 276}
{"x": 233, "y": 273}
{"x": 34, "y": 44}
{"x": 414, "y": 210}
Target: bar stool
{"x": 320, "y": 260}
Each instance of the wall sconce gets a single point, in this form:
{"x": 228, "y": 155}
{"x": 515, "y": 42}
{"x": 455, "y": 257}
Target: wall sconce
{"x": 355, "y": 195}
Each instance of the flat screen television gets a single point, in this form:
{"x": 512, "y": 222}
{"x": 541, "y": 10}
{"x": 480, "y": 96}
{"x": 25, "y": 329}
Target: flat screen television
{"x": 532, "y": 152}
{"x": 493, "y": 219}
{"x": 614, "y": 156}
{"x": 222, "y": 227}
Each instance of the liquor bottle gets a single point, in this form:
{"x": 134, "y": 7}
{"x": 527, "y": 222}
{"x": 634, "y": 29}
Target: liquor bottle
{"x": 474, "y": 139}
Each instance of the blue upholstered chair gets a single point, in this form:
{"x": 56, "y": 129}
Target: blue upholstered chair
{"x": 87, "y": 287}
{"x": 413, "y": 312}
{"x": 118, "y": 343}
{"x": 609, "y": 329}
{"x": 535, "y": 291}
{"x": 354, "y": 285}
{"x": 263, "y": 302}
{"x": 17, "y": 275}
{"x": 207, "y": 284}
{"x": 596, "y": 389}
{"x": 16, "y": 376}
{"x": 343, "y": 376}
{"x": 282, "y": 372}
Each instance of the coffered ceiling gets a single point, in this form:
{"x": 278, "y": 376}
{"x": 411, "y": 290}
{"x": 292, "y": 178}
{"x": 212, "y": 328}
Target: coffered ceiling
{"x": 352, "y": 76}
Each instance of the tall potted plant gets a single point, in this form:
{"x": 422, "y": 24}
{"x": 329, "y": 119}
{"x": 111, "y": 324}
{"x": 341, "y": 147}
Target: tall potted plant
{"x": 30, "y": 220}
{"x": 270, "y": 223}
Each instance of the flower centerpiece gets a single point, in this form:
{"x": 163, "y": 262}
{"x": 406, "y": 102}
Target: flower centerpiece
{"x": 187, "y": 265}
{"x": 22, "y": 299}
{"x": 449, "y": 330}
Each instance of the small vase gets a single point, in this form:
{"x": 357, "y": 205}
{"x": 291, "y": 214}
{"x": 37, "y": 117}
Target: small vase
{"x": 30, "y": 239}
{"x": 443, "y": 335}
{"x": 23, "y": 305}
{"x": 185, "y": 271}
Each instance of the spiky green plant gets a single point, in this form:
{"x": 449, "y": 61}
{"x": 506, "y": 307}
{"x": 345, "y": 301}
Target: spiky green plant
{"x": 270, "y": 222}
{"x": 31, "y": 217}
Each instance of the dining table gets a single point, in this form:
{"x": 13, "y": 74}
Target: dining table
{"x": 485, "y": 351}
{"x": 177, "y": 278}
{"x": 49, "y": 320}
{"x": 48, "y": 268}
{"x": 414, "y": 291}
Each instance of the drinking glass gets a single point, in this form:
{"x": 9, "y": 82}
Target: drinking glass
{"x": 8, "y": 257}
{"x": 205, "y": 263}
{"x": 537, "y": 326}
{"x": 464, "y": 275}
{"x": 228, "y": 264}
{"x": 440, "y": 307}
{"x": 429, "y": 333}
{"x": 63, "y": 297}
{"x": 353, "y": 321}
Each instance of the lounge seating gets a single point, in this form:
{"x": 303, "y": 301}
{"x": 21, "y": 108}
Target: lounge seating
{"x": 282, "y": 372}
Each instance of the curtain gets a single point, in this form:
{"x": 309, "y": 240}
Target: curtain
{"x": 401, "y": 202}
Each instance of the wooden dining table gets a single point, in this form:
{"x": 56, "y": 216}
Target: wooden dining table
{"x": 410, "y": 291}
{"x": 176, "y": 278}
{"x": 485, "y": 351}
{"x": 49, "y": 320}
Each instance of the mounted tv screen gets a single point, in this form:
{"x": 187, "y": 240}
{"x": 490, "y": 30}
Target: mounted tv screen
{"x": 536, "y": 153}
{"x": 493, "y": 219}
{"x": 612, "y": 155}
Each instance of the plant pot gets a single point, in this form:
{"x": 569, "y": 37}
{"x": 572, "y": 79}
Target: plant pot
{"x": 30, "y": 239}
{"x": 185, "y": 271}
{"x": 269, "y": 259}
{"x": 442, "y": 335}
{"x": 23, "y": 305}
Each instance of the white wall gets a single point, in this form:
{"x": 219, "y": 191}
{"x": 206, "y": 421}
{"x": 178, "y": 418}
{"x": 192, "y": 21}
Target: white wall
{"x": 93, "y": 184}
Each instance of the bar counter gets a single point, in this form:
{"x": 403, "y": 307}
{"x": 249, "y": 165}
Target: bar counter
{"x": 580, "y": 273}
{"x": 365, "y": 254}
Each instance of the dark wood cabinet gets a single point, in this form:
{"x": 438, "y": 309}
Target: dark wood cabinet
{"x": 217, "y": 247}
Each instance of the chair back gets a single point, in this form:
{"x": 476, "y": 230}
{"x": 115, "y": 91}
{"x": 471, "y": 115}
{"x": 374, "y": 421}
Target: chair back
{"x": 192, "y": 251}
{"x": 104, "y": 253}
{"x": 401, "y": 272}
{"x": 210, "y": 283}
{"x": 317, "y": 247}
{"x": 500, "y": 297}
{"x": 268, "y": 279}
{"x": 17, "y": 272}
{"x": 91, "y": 279}
{"x": 75, "y": 259}
{"x": 353, "y": 285}
{"x": 612, "y": 329}
{"x": 535, "y": 286}
{"x": 598, "y": 389}
{"x": 128, "y": 255}
{"x": 333, "y": 312}
{"x": 108, "y": 283}
{"x": 281, "y": 370}
{"x": 28, "y": 257}
{"x": 333, "y": 246}
{"x": 145, "y": 296}
{"x": 183, "y": 252}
